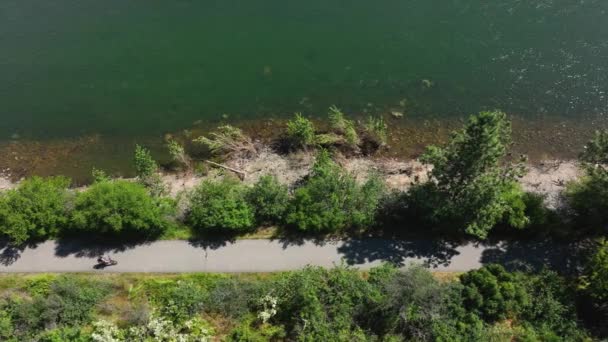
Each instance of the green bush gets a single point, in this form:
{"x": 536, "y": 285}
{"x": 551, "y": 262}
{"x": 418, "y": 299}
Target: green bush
{"x": 228, "y": 141}
{"x": 331, "y": 200}
{"x": 145, "y": 166}
{"x": 341, "y": 125}
{"x": 268, "y": 199}
{"x": 300, "y": 132}
{"x": 493, "y": 293}
{"x": 119, "y": 207}
{"x": 411, "y": 302}
{"x": 220, "y": 206}
{"x": 316, "y": 304}
{"x": 233, "y": 298}
{"x": 180, "y": 301}
{"x": 249, "y": 331}
{"x": 471, "y": 185}
{"x": 595, "y": 278}
{"x": 70, "y": 302}
{"x": 36, "y": 209}
{"x": 376, "y": 131}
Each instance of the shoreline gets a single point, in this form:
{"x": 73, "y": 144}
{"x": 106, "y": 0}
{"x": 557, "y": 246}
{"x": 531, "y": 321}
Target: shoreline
{"x": 546, "y": 177}
{"x": 540, "y": 138}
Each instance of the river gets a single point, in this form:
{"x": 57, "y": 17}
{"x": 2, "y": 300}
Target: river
{"x": 77, "y": 72}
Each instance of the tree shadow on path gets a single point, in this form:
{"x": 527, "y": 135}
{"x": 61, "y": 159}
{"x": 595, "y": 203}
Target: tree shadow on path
{"x": 10, "y": 253}
{"x": 83, "y": 248}
{"x": 432, "y": 253}
{"x": 534, "y": 255}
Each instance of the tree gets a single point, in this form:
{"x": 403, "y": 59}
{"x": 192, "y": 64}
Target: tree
{"x": 493, "y": 293}
{"x": 595, "y": 279}
{"x": 411, "y": 302}
{"x": 268, "y": 199}
{"x": 588, "y": 196}
{"x": 316, "y": 304}
{"x": 331, "y": 200}
{"x": 471, "y": 183}
{"x": 121, "y": 208}
{"x": 220, "y": 206}
{"x": 36, "y": 209}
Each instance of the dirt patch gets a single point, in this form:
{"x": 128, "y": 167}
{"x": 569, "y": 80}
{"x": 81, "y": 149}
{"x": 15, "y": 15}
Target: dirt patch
{"x": 549, "y": 178}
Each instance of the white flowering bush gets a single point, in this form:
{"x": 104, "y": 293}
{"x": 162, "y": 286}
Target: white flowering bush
{"x": 269, "y": 308}
{"x": 158, "y": 329}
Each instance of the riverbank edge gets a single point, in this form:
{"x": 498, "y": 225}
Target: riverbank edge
{"x": 547, "y": 178}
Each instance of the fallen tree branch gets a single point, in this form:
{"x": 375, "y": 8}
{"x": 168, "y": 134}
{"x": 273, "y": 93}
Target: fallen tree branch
{"x": 240, "y": 173}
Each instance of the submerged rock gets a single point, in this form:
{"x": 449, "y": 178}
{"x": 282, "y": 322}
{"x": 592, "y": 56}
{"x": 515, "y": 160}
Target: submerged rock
{"x": 396, "y": 114}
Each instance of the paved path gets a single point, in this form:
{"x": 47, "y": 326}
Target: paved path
{"x": 249, "y": 256}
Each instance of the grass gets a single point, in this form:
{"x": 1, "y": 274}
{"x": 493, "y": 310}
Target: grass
{"x": 183, "y": 232}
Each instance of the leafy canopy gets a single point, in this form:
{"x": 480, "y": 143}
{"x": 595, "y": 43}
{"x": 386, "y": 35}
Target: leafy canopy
{"x": 268, "y": 199}
{"x": 300, "y": 132}
{"x": 470, "y": 181}
{"x": 220, "y": 206}
{"x": 588, "y": 196}
{"x": 331, "y": 200}
{"x": 493, "y": 293}
{"x": 36, "y": 209}
{"x": 120, "y": 208}
{"x": 145, "y": 166}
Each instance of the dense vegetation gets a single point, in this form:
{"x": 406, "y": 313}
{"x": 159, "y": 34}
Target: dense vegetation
{"x": 314, "y": 304}
{"x": 472, "y": 193}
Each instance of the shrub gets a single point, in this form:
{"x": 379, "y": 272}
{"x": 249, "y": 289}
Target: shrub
{"x": 376, "y": 131}
{"x": 228, "y": 140}
{"x": 470, "y": 186}
{"x": 249, "y": 331}
{"x": 146, "y": 170}
{"x": 120, "y": 207}
{"x": 178, "y": 154}
{"x": 341, "y": 125}
{"x": 410, "y": 302}
{"x": 493, "y": 293}
{"x": 180, "y": 301}
{"x": 220, "y": 206}
{"x": 233, "y": 298}
{"x": 588, "y": 197}
{"x": 34, "y": 210}
{"x": 268, "y": 199}
{"x": 145, "y": 166}
{"x": 300, "y": 132}
{"x": 331, "y": 200}
{"x": 595, "y": 279}
{"x": 69, "y": 302}
{"x": 316, "y": 304}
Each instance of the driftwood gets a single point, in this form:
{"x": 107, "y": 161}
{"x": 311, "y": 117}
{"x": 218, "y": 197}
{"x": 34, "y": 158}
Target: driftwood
{"x": 240, "y": 173}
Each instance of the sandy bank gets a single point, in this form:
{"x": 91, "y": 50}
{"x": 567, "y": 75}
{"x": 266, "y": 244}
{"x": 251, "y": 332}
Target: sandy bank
{"x": 547, "y": 178}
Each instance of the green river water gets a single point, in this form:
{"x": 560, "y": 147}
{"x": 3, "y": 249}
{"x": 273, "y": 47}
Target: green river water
{"x": 126, "y": 68}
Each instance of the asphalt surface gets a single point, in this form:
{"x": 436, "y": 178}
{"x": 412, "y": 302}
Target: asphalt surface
{"x": 251, "y": 256}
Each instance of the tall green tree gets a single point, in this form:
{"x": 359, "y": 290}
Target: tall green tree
{"x": 588, "y": 197}
{"x": 36, "y": 209}
{"x": 471, "y": 183}
{"x": 595, "y": 279}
